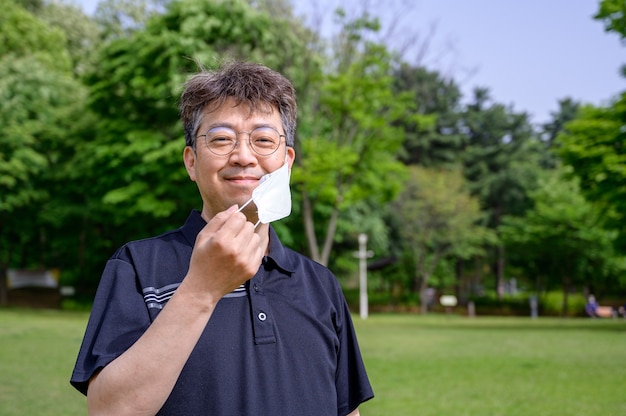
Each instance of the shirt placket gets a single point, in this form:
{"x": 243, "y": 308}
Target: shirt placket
{"x": 262, "y": 318}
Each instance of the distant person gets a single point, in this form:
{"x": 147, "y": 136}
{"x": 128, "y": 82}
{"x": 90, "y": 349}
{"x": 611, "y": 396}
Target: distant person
{"x": 218, "y": 317}
{"x": 592, "y": 306}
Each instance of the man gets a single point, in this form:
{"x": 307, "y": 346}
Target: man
{"x": 218, "y": 317}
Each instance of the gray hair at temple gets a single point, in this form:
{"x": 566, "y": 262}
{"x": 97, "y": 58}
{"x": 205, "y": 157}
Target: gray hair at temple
{"x": 256, "y": 86}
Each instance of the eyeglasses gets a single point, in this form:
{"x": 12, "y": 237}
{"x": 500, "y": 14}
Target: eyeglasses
{"x": 264, "y": 141}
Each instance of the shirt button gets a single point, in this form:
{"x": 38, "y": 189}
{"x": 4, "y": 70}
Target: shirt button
{"x": 256, "y": 288}
{"x": 262, "y": 317}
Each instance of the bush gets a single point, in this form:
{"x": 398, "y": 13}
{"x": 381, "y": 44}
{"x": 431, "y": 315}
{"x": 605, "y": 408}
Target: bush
{"x": 552, "y": 304}
{"x": 509, "y": 305}
{"x": 382, "y": 300}
{"x": 549, "y": 304}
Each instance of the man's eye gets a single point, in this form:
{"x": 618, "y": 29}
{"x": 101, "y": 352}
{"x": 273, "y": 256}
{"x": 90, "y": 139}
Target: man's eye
{"x": 221, "y": 140}
{"x": 264, "y": 141}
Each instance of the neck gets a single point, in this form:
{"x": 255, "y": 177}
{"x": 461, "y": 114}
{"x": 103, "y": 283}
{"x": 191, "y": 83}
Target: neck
{"x": 264, "y": 231}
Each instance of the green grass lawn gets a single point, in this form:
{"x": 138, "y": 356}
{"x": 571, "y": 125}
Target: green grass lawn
{"x": 439, "y": 365}
{"x": 37, "y": 354}
{"x": 418, "y": 365}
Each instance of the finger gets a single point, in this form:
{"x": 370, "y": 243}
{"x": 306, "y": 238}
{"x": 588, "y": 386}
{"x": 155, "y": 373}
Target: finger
{"x": 235, "y": 226}
{"x": 220, "y": 219}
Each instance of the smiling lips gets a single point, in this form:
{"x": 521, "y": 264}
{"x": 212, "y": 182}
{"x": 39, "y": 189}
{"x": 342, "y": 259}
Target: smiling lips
{"x": 243, "y": 179}
{"x": 240, "y": 175}
{"x": 243, "y": 182}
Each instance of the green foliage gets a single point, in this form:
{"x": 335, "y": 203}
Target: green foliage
{"x": 349, "y": 142}
{"x": 613, "y": 14}
{"x": 36, "y": 105}
{"x": 432, "y": 136}
{"x": 551, "y": 303}
{"x": 81, "y": 33}
{"x": 568, "y": 111}
{"x": 438, "y": 213}
{"x": 501, "y": 156}
{"x": 77, "y": 179}
{"x": 42, "y": 114}
{"x": 580, "y": 248}
{"x": 593, "y": 145}
{"x": 134, "y": 91}
{"x": 352, "y": 156}
{"x": 439, "y": 220}
{"x": 23, "y": 34}
{"x": 508, "y": 305}
{"x": 121, "y": 18}
{"x": 128, "y": 171}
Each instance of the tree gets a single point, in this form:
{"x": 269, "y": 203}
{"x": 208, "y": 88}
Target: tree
{"x": 501, "y": 156}
{"x": 81, "y": 33}
{"x": 432, "y": 138}
{"x": 23, "y": 34}
{"x": 121, "y": 18}
{"x": 348, "y": 138}
{"x": 135, "y": 182}
{"x": 41, "y": 114}
{"x": 593, "y": 145}
{"x": 568, "y": 111}
{"x": 439, "y": 220}
{"x": 562, "y": 241}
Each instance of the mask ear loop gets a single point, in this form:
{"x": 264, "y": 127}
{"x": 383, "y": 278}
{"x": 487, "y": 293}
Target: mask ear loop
{"x": 244, "y": 205}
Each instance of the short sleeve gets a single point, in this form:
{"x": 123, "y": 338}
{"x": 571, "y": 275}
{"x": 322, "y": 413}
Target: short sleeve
{"x": 118, "y": 318}
{"x": 353, "y": 386}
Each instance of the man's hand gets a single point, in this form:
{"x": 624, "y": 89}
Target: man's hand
{"x": 227, "y": 253}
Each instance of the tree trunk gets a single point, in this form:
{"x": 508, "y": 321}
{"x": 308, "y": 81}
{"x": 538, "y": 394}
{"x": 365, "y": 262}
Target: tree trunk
{"x": 423, "y": 271}
{"x": 566, "y": 289}
{"x": 499, "y": 270}
{"x": 424, "y": 295}
{"x": 4, "y": 271}
{"x": 4, "y": 290}
{"x": 330, "y": 236}
{"x": 477, "y": 280}
{"x": 309, "y": 228}
{"x": 458, "y": 286}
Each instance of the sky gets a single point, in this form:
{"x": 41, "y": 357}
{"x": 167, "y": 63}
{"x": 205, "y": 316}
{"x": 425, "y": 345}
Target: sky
{"x": 529, "y": 54}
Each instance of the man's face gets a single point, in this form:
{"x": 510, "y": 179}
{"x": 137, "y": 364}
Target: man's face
{"x": 227, "y": 180}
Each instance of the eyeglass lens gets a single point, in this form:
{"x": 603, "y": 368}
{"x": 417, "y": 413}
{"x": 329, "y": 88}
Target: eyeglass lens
{"x": 223, "y": 140}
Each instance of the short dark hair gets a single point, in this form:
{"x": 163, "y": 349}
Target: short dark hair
{"x": 254, "y": 85}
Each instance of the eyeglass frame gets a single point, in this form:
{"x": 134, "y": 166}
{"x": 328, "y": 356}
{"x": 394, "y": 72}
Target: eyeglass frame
{"x": 282, "y": 138}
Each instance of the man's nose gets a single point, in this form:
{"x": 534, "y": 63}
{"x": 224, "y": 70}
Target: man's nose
{"x": 243, "y": 153}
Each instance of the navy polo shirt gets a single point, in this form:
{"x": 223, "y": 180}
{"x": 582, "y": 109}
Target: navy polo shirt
{"x": 282, "y": 344}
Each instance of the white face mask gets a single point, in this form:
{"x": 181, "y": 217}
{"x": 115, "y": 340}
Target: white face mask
{"x": 272, "y": 197}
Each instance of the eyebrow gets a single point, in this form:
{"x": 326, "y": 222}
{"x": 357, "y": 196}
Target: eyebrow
{"x": 232, "y": 126}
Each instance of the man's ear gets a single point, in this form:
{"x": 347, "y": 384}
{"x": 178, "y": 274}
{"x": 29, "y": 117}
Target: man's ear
{"x": 189, "y": 157}
{"x": 290, "y": 156}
